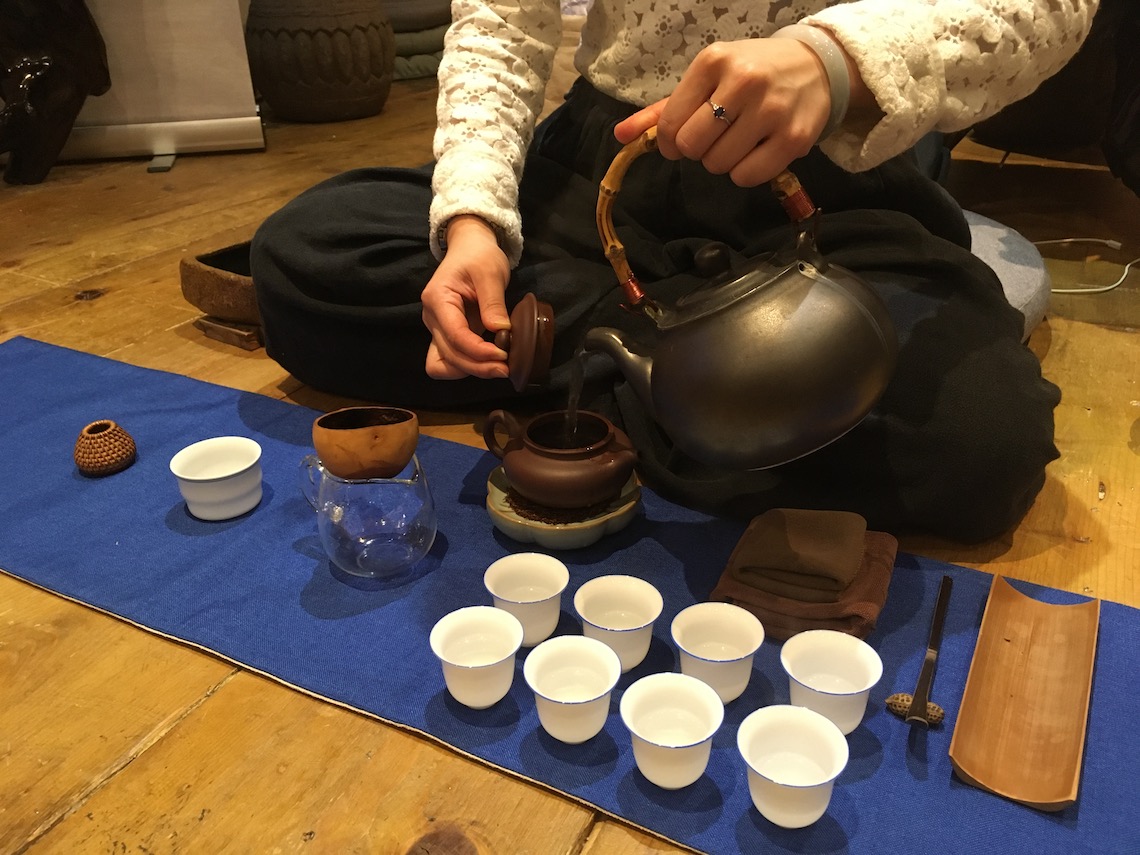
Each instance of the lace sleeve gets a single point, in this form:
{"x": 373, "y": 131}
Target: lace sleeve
{"x": 946, "y": 64}
{"x": 492, "y": 79}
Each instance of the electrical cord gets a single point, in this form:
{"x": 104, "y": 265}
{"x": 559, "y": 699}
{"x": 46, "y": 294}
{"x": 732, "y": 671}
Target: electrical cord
{"x": 1091, "y": 289}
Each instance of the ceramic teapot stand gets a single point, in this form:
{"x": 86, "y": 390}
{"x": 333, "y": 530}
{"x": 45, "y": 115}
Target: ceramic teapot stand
{"x": 592, "y": 526}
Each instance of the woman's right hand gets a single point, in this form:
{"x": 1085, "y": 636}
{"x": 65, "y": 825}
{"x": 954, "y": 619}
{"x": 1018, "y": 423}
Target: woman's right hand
{"x": 464, "y": 298}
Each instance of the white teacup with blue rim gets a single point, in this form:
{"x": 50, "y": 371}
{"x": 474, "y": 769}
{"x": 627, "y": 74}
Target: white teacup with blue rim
{"x": 832, "y": 673}
{"x": 619, "y": 611}
{"x": 572, "y": 677}
{"x": 793, "y": 756}
{"x": 671, "y": 720}
{"x": 529, "y": 585}
{"x": 717, "y": 643}
{"x": 476, "y": 648}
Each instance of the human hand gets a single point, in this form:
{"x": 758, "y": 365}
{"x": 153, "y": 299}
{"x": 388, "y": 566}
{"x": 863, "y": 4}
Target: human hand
{"x": 463, "y": 298}
{"x": 776, "y": 101}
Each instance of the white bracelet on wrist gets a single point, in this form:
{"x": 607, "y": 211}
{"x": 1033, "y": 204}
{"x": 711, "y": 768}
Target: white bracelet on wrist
{"x": 834, "y": 63}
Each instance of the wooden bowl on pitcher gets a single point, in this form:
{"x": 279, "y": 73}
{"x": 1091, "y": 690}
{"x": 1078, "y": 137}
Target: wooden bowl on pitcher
{"x": 358, "y": 443}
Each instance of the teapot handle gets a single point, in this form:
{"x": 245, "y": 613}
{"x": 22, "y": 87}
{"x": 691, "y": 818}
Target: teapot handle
{"x": 786, "y": 186}
{"x": 514, "y": 429}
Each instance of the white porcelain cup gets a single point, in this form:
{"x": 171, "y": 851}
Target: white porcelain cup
{"x": 794, "y": 756}
{"x": 832, "y": 673}
{"x": 620, "y": 611}
{"x": 717, "y": 643}
{"x": 529, "y": 585}
{"x": 671, "y": 719}
{"x": 476, "y": 646}
{"x": 220, "y": 477}
{"x": 572, "y": 677}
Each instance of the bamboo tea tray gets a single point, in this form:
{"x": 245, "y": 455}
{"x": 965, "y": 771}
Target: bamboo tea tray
{"x": 1021, "y": 727}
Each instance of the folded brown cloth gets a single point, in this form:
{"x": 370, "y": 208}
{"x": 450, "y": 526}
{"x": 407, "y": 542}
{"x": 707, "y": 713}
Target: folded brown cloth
{"x": 800, "y": 554}
{"x": 855, "y": 613}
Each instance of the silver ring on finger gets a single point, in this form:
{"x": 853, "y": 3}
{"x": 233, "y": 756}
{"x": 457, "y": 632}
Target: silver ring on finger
{"x": 719, "y": 112}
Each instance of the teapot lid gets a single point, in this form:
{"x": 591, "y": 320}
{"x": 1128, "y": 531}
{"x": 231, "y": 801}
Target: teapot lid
{"x": 528, "y": 342}
{"x": 725, "y": 286}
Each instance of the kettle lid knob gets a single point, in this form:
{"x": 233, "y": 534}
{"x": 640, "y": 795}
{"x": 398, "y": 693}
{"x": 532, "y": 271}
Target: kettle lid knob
{"x": 712, "y": 260}
{"x": 528, "y": 342}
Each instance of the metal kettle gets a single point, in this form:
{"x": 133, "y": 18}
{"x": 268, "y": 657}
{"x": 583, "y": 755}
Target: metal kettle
{"x": 758, "y": 366}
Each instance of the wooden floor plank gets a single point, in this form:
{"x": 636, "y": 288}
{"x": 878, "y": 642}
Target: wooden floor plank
{"x": 612, "y": 838}
{"x": 82, "y": 695}
{"x": 264, "y": 768}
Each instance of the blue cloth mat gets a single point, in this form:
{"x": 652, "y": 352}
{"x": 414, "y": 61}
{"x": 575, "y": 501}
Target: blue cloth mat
{"x": 258, "y": 590}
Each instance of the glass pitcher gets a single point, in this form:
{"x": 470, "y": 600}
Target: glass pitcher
{"x": 376, "y": 528}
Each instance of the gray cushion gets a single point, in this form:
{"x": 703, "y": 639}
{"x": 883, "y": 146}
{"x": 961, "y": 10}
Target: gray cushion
{"x": 418, "y": 53}
{"x": 409, "y": 15}
{"x": 1018, "y": 265}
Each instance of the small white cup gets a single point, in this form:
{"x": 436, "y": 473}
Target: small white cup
{"x": 220, "y": 478}
{"x": 476, "y": 646}
{"x": 794, "y": 756}
{"x": 572, "y": 677}
{"x": 671, "y": 719}
{"x": 717, "y": 643}
{"x": 529, "y": 585}
{"x": 619, "y": 610}
{"x": 832, "y": 673}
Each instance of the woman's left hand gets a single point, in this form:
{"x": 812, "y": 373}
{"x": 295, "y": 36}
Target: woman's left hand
{"x": 773, "y": 99}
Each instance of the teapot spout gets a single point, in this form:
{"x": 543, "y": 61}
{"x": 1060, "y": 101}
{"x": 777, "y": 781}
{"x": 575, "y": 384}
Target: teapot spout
{"x": 637, "y": 368}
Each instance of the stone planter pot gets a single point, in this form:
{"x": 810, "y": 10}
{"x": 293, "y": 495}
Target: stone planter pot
{"x": 320, "y": 60}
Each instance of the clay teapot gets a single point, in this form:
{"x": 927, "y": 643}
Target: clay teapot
{"x": 758, "y": 366}
{"x": 551, "y": 466}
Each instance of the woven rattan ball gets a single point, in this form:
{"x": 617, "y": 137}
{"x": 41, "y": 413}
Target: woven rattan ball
{"x": 104, "y": 448}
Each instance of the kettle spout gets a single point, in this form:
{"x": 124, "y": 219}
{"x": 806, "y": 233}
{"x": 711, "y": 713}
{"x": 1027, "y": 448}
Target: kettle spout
{"x": 637, "y": 368}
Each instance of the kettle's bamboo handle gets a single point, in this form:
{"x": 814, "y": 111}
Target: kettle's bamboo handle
{"x": 611, "y": 184}
{"x": 786, "y": 186}
{"x": 794, "y": 198}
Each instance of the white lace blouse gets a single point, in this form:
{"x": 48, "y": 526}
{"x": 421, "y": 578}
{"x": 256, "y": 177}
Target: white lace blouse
{"x": 931, "y": 64}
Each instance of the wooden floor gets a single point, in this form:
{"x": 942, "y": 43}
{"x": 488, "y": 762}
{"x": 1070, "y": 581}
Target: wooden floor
{"x": 115, "y": 740}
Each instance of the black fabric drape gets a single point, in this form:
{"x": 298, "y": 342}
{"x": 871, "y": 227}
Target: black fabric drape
{"x": 957, "y": 445}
